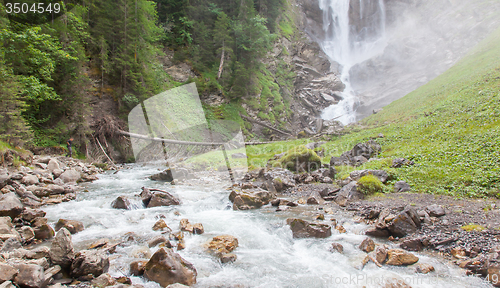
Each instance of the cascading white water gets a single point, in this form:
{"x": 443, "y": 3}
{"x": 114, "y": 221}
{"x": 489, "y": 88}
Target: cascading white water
{"x": 348, "y": 45}
{"x": 268, "y": 255}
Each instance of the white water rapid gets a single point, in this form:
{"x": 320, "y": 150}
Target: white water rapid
{"x": 268, "y": 256}
{"x": 349, "y": 45}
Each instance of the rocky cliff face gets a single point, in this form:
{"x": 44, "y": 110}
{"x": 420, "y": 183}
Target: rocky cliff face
{"x": 316, "y": 82}
{"x": 315, "y": 85}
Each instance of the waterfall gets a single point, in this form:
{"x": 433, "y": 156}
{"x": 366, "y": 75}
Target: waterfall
{"x": 354, "y": 32}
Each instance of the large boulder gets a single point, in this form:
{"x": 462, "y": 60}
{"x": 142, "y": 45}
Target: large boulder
{"x": 87, "y": 262}
{"x": 163, "y": 176}
{"x": 121, "y": 202}
{"x": 157, "y": 240}
{"x": 358, "y": 155}
{"x": 61, "y": 250}
{"x": 10, "y": 205}
{"x": 29, "y": 276}
{"x": 38, "y": 253}
{"x": 349, "y": 193}
{"x": 224, "y": 244}
{"x": 303, "y": 229}
{"x": 53, "y": 189}
{"x": 157, "y": 198}
{"x": 366, "y": 150}
{"x": 400, "y": 162}
{"x": 401, "y": 186}
{"x": 435, "y": 210}
{"x": 406, "y": 222}
{"x": 399, "y": 257}
{"x": 73, "y": 226}
{"x": 162, "y": 199}
{"x": 146, "y": 195}
{"x": 27, "y": 234}
{"x": 280, "y": 178}
{"x": 29, "y": 180}
{"x": 42, "y": 230}
{"x": 367, "y": 245}
{"x": 7, "y": 230}
{"x": 31, "y": 214}
{"x": 167, "y": 267}
{"x": 11, "y": 245}
{"x": 4, "y": 179}
{"x": 250, "y": 199}
{"x": 70, "y": 176}
{"x": 53, "y": 165}
{"x": 137, "y": 267}
{"x": 7, "y": 272}
{"x": 104, "y": 280}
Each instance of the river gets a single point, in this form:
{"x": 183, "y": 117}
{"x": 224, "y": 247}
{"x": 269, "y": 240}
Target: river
{"x": 268, "y": 256}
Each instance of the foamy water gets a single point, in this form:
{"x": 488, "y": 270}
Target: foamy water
{"x": 268, "y": 256}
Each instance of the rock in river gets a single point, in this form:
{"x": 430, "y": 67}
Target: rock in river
{"x": 61, "y": 250}
{"x": 304, "y": 229}
{"x": 250, "y": 199}
{"x": 163, "y": 176}
{"x": 367, "y": 245}
{"x": 121, "y": 202}
{"x": 399, "y": 257}
{"x": 89, "y": 262}
{"x": 223, "y": 244}
{"x": 167, "y": 267}
{"x": 70, "y": 176}
{"x": 404, "y": 223}
{"x": 42, "y": 230}
{"x": 73, "y": 226}
{"x": 155, "y": 198}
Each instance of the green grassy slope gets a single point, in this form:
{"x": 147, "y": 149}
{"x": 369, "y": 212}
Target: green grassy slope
{"x": 449, "y": 127}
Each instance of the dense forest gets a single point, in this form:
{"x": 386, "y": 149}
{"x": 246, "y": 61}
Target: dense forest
{"x": 49, "y": 70}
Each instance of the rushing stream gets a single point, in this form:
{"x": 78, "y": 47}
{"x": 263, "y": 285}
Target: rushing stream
{"x": 268, "y": 256}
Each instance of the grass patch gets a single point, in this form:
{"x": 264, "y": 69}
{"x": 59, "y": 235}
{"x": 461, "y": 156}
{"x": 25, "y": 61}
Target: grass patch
{"x": 258, "y": 155}
{"x": 215, "y": 159}
{"x": 473, "y": 227}
{"x": 4, "y": 146}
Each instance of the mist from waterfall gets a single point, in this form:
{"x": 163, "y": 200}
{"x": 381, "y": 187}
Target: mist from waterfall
{"x": 349, "y": 45}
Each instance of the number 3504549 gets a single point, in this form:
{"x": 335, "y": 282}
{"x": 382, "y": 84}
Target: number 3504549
{"x": 17, "y": 8}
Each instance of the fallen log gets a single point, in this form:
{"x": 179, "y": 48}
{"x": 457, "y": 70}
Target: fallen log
{"x": 265, "y": 125}
{"x": 178, "y": 142}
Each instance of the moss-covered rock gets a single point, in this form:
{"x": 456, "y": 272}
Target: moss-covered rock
{"x": 299, "y": 159}
{"x": 370, "y": 184}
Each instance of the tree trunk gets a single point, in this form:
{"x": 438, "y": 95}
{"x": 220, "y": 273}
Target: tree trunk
{"x": 221, "y": 66}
